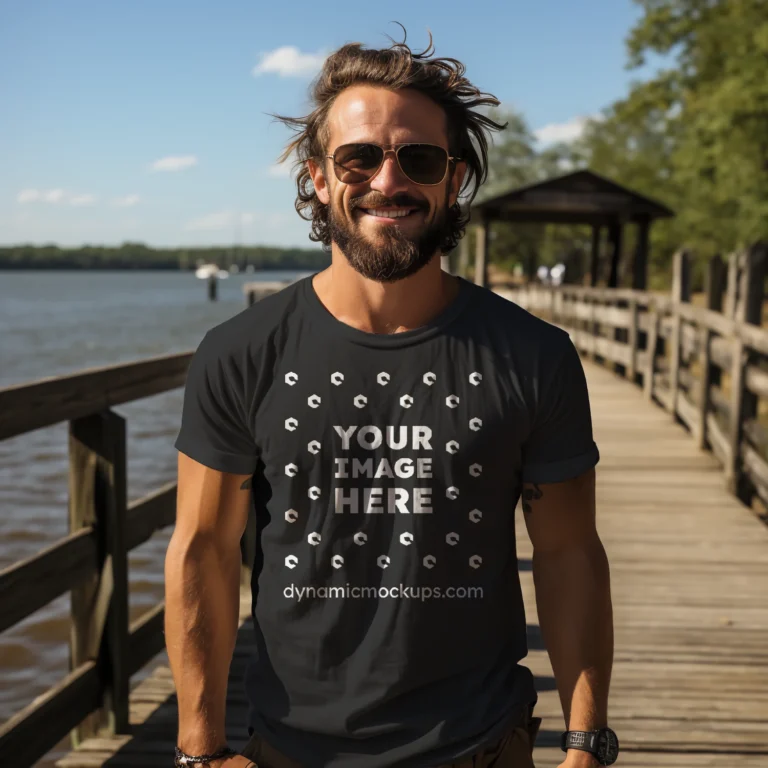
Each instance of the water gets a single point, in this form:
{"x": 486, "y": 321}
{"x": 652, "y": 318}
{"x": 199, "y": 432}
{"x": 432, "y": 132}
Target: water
{"x": 53, "y": 323}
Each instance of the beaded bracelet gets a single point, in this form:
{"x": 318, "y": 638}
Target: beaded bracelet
{"x": 181, "y": 758}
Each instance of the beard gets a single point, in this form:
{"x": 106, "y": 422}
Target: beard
{"x": 391, "y": 254}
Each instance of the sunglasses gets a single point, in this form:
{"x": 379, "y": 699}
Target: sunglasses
{"x": 424, "y": 164}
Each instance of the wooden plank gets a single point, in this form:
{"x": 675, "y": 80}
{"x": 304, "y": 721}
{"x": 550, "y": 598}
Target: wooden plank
{"x": 650, "y": 350}
{"x": 31, "y": 584}
{"x": 756, "y": 380}
{"x": 612, "y": 316}
{"x": 150, "y": 513}
{"x": 718, "y": 441}
{"x": 681, "y": 292}
{"x": 146, "y": 638}
{"x": 632, "y": 341}
{"x": 721, "y": 352}
{"x": 26, "y": 407}
{"x": 688, "y": 413}
{"x": 114, "y": 652}
{"x": 661, "y": 392}
{"x": 689, "y": 572}
{"x": 85, "y": 465}
{"x": 755, "y": 464}
{"x": 757, "y": 435}
{"x": 100, "y": 604}
{"x": 41, "y": 725}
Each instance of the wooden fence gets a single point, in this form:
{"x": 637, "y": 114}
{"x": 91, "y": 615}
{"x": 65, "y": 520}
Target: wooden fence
{"x": 706, "y": 365}
{"x": 92, "y": 561}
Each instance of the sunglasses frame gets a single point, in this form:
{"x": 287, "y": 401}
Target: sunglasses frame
{"x": 394, "y": 149}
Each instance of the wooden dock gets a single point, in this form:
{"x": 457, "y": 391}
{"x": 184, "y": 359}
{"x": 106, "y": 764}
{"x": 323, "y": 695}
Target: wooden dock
{"x": 679, "y": 395}
{"x": 689, "y": 575}
{"x": 258, "y": 289}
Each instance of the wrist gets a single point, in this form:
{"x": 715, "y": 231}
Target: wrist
{"x": 204, "y": 757}
{"x": 578, "y": 758}
{"x": 197, "y": 737}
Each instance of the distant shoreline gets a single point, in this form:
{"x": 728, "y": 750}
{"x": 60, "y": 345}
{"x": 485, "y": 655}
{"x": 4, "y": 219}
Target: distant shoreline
{"x": 138, "y": 268}
{"x": 137, "y": 256}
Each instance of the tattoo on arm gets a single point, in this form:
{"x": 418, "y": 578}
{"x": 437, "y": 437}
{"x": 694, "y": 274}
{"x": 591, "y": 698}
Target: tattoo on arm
{"x": 247, "y": 484}
{"x": 530, "y": 494}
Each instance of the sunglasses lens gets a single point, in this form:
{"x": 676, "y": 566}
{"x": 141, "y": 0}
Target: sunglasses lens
{"x": 356, "y": 163}
{"x": 421, "y": 163}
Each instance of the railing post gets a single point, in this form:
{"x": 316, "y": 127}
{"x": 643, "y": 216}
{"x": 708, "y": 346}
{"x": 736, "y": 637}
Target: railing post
{"x": 681, "y": 292}
{"x": 715, "y": 282}
{"x": 652, "y": 341}
{"x": 732, "y": 285}
{"x": 749, "y": 307}
{"x": 632, "y": 340}
{"x": 99, "y": 629}
{"x": 596, "y": 329}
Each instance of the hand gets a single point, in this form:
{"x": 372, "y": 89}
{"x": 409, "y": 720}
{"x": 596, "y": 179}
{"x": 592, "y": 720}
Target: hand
{"x": 236, "y": 761}
{"x": 578, "y": 758}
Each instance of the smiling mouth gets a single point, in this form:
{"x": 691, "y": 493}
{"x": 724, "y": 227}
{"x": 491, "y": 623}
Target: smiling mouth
{"x": 390, "y": 214}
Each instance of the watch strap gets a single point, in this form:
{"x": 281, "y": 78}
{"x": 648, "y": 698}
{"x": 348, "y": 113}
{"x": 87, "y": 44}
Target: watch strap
{"x": 584, "y": 740}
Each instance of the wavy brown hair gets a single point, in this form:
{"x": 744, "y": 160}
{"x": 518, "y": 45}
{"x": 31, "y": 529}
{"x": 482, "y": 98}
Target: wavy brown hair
{"x": 392, "y": 68}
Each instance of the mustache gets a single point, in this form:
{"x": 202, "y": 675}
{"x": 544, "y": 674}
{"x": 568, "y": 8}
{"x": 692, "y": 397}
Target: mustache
{"x": 382, "y": 204}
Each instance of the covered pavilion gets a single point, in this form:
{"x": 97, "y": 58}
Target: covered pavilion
{"x": 581, "y": 197}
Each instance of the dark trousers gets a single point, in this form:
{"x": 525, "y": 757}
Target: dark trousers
{"x": 514, "y": 749}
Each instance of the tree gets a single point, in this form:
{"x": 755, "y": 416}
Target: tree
{"x": 694, "y": 136}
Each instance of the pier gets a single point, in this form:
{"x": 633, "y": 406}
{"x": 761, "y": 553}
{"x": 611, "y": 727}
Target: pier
{"x": 682, "y": 489}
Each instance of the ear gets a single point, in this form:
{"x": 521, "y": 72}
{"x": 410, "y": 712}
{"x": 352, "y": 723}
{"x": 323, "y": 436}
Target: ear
{"x": 456, "y": 179}
{"x": 319, "y": 181}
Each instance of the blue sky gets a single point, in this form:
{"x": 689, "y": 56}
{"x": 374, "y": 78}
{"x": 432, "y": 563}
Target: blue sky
{"x": 147, "y": 119}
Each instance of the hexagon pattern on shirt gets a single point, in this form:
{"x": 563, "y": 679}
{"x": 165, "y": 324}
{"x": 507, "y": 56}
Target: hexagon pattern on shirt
{"x": 360, "y": 538}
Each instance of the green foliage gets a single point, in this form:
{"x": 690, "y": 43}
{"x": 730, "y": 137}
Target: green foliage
{"x": 695, "y": 136}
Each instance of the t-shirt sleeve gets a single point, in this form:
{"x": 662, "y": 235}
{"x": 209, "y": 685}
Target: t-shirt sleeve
{"x": 214, "y": 420}
{"x": 560, "y": 445}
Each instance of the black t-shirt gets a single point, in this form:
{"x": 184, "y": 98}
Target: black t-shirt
{"x": 387, "y": 467}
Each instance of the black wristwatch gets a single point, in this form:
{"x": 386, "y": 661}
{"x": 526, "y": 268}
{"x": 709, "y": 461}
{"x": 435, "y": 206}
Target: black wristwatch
{"x": 602, "y": 743}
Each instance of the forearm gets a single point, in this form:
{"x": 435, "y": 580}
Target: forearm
{"x": 201, "y": 619}
{"x": 576, "y": 618}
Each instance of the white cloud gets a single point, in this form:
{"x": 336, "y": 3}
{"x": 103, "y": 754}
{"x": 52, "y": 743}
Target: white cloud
{"x": 126, "y": 202}
{"x": 280, "y": 171}
{"x": 174, "y": 163}
{"x": 40, "y": 195}
{"x": 82, "y": 200}
{"x": 53, "y": 195}
{"x": 556, "y": 132}
{"x": 289, "y": 61}
{"x": 28, "y": 196}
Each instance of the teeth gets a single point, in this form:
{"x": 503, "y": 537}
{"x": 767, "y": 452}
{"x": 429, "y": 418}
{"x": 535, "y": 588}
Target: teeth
{"x": 388, "y": 214}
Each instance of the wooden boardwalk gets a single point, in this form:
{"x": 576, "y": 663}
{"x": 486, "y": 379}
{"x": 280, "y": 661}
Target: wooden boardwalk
{"x": 689, "y": 578}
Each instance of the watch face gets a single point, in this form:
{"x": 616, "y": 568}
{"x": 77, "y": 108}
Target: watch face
{"x": 607, "y": 747}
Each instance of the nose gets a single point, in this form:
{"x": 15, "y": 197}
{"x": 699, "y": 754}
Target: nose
{"x": 390, "y": 179}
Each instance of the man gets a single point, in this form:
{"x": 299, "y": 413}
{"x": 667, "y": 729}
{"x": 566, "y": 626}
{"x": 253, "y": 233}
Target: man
{"x": 381, "y": 419}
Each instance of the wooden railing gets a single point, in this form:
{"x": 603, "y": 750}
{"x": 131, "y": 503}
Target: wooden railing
{"x": 707, "y": 366}
{"x": 92, "y": 561}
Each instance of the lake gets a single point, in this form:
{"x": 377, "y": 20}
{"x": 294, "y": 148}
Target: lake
{"x": 53, "y": 323}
